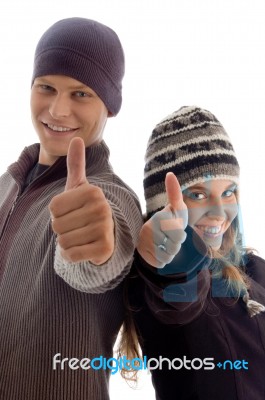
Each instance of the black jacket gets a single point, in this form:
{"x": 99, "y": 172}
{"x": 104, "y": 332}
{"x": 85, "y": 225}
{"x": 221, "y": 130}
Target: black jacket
{"x": 182, "y": 316}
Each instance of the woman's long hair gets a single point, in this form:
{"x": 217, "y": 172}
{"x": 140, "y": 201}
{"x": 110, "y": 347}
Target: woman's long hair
{"x": 129, "y": 344}
{"x": 229, "y": 261}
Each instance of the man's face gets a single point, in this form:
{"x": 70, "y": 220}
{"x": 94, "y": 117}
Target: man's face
{"x": 63, "y": 108}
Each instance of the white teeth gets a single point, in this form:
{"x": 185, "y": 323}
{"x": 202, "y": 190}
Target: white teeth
{"x": 210, "y": 229}
{"x": 59, "y": 128}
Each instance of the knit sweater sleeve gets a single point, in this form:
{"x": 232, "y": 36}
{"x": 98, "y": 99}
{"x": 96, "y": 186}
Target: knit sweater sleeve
{"x": 90, "y": 278}
{"x": 176, "y": 294}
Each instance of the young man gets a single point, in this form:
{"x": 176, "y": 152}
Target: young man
{"x": 68, "y": 224}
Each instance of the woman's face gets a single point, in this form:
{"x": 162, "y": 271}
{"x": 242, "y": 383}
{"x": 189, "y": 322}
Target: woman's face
{"x": 212, "y": 206}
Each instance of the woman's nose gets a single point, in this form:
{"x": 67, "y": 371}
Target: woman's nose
{"x": 216, "y": 210}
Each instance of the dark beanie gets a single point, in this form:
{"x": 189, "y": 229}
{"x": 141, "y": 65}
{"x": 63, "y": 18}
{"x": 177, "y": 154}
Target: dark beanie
{"x": 194, "y": 145}
{"x": 87, "y": 51}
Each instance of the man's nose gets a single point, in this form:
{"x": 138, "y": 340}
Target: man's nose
{"x": 60, "y": 106}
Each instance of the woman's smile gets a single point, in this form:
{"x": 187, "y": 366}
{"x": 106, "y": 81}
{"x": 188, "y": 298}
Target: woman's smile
{"x": 209, "y": 230}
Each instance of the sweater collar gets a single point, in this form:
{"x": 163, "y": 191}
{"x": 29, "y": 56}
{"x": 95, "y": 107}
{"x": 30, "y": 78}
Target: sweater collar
{"x": 97, "y": 161}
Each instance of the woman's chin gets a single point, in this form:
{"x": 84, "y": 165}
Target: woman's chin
{"x": 212, "y": 240}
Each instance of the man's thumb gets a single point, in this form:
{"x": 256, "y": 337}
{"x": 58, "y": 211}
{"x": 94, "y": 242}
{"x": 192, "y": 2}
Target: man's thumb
{"x": 76, "y": 164}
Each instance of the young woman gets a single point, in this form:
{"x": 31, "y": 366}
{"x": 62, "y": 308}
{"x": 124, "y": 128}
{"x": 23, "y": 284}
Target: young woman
{"x": 195, "y": 292}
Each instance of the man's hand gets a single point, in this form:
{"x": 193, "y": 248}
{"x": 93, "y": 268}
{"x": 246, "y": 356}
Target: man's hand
{"x": 81, "y": 215}
{"x": 162, "y": 235}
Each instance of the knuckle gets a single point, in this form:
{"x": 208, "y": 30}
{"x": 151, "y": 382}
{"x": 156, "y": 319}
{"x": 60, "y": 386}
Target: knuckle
{"x": 72, "y": 255}
{"x": 103, "y": 213}
{"x": 51, "y": 206}
{"x": 175, "y": 249}
{"x": 108, "y": 248}
{"x": 107, "y": 242}
{"x": 62, "y": 242}
{"x": 181, "y": 236}
{"x": 160, "y": 264}
{"x": 95, "y": 191}
{"x": 54, "y": 205}
{"x": 106, "y": 210}
{"x": 57, "y": 226}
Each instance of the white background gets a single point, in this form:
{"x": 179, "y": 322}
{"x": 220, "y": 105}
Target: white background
{"x": 208, "y": 53}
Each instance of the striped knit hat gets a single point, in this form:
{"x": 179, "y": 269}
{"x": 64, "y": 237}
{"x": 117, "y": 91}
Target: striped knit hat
{"x": 193, "y": 144}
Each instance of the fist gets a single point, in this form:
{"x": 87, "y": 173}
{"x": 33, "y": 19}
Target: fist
{"x": 81, "y": 215}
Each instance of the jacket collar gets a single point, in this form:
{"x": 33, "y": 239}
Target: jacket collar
{"x": 97, "y": 162}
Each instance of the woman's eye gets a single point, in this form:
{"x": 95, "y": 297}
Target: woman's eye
{"x": 228, "y": 193}
{"x": 194, "y": 195}
{"x": 198, "y": 196}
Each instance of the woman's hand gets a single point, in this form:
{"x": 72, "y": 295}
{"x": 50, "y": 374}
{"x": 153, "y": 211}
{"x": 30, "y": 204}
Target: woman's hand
{"x": 162, "y": 235}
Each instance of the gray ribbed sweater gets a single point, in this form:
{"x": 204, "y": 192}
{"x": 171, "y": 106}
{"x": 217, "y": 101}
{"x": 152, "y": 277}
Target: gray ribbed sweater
{"x": 48, "y": 306}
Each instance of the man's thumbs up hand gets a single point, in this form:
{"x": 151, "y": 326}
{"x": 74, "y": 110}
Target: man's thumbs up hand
{"x": 162, "y": 235}
{"x": 81, "y": 215}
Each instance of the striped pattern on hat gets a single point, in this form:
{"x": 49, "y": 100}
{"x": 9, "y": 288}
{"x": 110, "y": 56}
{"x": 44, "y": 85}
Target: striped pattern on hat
{"x": 193, "y": 144}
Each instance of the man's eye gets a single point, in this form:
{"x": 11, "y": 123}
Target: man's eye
{"x": 82, "y": 94}
{"x": 46, "y": 88}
